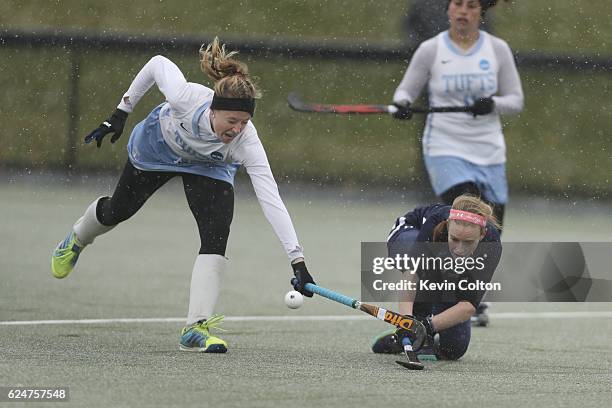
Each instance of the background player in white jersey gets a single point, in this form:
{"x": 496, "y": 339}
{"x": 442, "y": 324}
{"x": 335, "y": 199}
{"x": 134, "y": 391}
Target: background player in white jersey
{"x": 464, "y": 152}
{"x": 203, "y": 136}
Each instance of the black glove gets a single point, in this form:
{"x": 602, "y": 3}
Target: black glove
{"x": 303, "y": 277}
{"x": 482, "y": 106}
{"x": 418, "y": 334}
{"x": 403, "y": 111}
{"x": 114, "y": 124}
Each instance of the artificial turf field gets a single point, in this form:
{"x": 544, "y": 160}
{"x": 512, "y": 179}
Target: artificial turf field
{"x": 277, "y": 357}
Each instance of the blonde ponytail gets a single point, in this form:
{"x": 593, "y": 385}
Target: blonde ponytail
{"x": 231, "y": 76}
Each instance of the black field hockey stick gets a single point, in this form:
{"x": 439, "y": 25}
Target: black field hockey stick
{"x": 407, "y": 326}
{"x": 296, "y": 103}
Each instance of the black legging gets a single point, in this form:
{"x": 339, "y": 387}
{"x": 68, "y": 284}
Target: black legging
{"x": 211, "y": 201}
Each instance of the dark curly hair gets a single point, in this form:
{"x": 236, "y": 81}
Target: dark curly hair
{"x": 487, "y": 4}
{"x": 484, "y": 5}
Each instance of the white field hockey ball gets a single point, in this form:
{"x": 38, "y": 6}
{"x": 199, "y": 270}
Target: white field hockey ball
{"x": 294, "y": 299}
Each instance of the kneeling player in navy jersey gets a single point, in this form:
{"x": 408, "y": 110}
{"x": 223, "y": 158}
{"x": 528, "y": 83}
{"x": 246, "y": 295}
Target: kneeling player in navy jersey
{"x": 467, "y": 229}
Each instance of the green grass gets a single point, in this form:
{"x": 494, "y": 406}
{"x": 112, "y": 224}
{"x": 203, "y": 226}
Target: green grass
{"x": 567, "y": 27}
{"x": 558, "y": 145}
{"x": 142, "y": 269}
{"x": 300, "y": 19}
{"x": 570, "y": 26}
{"x": 324, "y": 363}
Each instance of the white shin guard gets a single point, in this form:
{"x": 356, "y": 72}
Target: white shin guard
{"x": 205, "y": 285}
{"x": 87, "y": 228}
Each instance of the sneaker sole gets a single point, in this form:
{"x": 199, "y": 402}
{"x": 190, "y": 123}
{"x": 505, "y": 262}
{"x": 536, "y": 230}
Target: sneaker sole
{"x": 214, "y": 348}
{"x": 427, "y": 357}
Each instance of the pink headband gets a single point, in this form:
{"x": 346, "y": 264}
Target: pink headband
{"x": 467, "y": 217}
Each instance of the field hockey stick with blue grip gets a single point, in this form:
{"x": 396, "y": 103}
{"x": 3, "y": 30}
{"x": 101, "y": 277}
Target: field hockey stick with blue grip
{"x": 331, "y": 295}
{"x": 408, "y": 327}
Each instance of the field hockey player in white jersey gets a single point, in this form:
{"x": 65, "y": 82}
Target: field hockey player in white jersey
{"x": 464, "y": 66}
{"x": 203, "y": 136}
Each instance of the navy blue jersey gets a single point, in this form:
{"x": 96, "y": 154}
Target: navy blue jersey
{"x": 418, "y": 217}
{"x": 425, "y": 220}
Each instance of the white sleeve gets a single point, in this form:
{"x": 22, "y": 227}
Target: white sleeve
{"x": 510, "y": 97}
{"x": 169, "y": 79}
{"x": 417, "y": 74}
{"x": 253, "y": 156}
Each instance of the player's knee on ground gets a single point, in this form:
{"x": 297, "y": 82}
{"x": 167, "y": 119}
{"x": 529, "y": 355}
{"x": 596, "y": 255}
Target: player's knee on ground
{"x": 454, "y": 341}
{"x": 452, "y": 351}
{"x": 455, "y": 191}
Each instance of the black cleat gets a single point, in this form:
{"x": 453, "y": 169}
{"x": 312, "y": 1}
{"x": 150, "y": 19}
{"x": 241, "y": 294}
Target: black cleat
{"x": 481, "y": 316}
{"x": 387, "y": 343}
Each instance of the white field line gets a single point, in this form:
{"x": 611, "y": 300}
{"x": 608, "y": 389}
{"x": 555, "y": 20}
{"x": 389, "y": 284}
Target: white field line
{"x": 508, "y": 315}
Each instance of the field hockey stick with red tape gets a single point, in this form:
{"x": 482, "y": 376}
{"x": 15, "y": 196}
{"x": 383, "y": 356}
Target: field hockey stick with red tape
{"x": 296, "y": 103}
{"x": 410, "y": 332}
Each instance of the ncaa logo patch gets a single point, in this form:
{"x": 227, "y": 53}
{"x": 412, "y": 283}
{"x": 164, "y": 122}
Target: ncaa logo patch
{"x": 216, "y": 155}
{"x": 484, "y": 64}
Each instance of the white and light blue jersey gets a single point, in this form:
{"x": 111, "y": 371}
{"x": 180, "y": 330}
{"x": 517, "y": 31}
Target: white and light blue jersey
{"x": 455, "y": 77}
{"x": 184, "y": 120}
{"x": 177, "y": 136}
